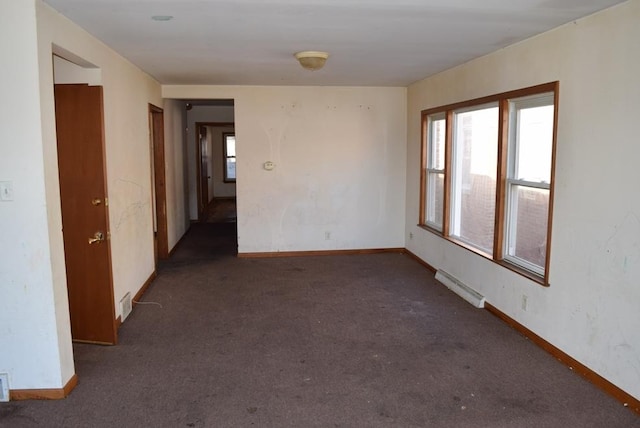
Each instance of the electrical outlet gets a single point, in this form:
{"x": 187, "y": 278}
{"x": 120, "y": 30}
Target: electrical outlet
{"x": 327, "y": 236}
{"x": 4, "y": 387}
{"x": 524, "y": 302}
{"x": 410, "y": 235}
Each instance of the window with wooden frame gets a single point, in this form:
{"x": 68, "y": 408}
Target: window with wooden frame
{"x": 434, "y": 177}
{"x": 229, "y": 146}
{"x": 487, "y": 176}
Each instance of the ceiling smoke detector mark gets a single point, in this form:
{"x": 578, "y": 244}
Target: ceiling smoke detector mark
{"x": 162, "y": 18}
{"x": 125, "y": 306}
{"x": 4, "y": 387}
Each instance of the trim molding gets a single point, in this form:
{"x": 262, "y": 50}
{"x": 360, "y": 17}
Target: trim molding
{"x": 419, "y": 260}
{"x": 144, "y": 287}
{"x": 318, "y": 253}
{"x": 626, "y": 399}
{"x": 44, "y": 394}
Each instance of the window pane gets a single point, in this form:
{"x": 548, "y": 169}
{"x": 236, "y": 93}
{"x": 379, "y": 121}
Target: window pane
{"x": 436, "y": 143}
{"x": 475, "y": 147}
{"x": 534, "y": 140}
{"x": 231, "y": 168}
{"x": 529, "y": 213}
{"x": 435, "y": 201}
{"x": 231, "y": 145}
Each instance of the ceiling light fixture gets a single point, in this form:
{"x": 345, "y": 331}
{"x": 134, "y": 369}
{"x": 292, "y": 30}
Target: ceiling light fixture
{"x": 162, "y": 17}
{"x": 312, "y": 60}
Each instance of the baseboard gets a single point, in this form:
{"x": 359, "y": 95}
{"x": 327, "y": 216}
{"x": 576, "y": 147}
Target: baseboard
{"x": 626, "y": 399}
{"x": 319, "y": 253}
{"x": 144, "y": 287}
{"x": 419, "y": 260}
{"x": 44, "y": 394}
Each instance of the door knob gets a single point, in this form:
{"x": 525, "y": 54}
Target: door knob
{"x": 96, "y": 238}
{"x": 96, "y": 201}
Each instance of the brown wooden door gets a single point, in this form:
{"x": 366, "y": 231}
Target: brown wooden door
{"x": 85, "y": 221}
{"x": 204, "y": 171}
{"x": 156, "y": 128}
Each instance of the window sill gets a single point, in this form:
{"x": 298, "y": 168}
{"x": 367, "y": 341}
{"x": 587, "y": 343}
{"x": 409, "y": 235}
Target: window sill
{"x": 539, "y": 279}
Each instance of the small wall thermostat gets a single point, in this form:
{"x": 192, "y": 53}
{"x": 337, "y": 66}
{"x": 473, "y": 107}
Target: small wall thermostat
{"x": 268, "y": 165}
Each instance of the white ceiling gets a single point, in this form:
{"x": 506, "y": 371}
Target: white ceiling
{"x": 371, "y": 42}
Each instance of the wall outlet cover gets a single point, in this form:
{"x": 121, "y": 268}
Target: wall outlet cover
{"x": 4, "y": 387}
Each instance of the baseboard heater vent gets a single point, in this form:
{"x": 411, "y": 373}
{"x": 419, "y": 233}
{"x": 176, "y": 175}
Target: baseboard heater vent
{"x": 125, "y": 306}
{"x": 461, "y": 289}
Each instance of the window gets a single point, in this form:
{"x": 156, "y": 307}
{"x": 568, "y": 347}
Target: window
{"x": 229, "y": 157}
{"x": 473, "y": 185}
{"x": 435, "y": 170}
{"x": 487, "y": 169}
{"x": 528, "y": 180}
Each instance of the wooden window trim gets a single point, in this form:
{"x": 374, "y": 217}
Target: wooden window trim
{"x": 503, "y": 129}
{"x": 423, "y": 167}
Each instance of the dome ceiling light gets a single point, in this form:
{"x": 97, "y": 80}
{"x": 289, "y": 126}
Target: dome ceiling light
{"x": 312, "y": 60}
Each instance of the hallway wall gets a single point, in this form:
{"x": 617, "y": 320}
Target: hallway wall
{"x": 175, "y": 148}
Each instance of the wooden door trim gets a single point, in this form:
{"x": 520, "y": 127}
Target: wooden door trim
{"x": 199, "y": 161}
{"x": 159, "y": 178}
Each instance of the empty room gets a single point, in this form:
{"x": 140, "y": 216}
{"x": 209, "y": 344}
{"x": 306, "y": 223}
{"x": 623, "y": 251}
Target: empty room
{"x": 319, "y": 213}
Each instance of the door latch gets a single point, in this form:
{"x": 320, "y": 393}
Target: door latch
{"x": 96, "y": 238}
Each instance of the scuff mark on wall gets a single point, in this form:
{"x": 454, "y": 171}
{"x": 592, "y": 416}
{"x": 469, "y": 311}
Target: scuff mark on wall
{"x": 130, "y": 194}
{"x": 622, "y": 248}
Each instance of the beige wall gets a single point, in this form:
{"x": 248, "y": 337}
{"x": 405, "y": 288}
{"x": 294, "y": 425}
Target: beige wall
{"x": 35, "y": 338}
{"x": 340, "y": 156}
{"x": 34, "y": 306}
{"x": 175, "y": 156}
{"x": 590, "y": 311}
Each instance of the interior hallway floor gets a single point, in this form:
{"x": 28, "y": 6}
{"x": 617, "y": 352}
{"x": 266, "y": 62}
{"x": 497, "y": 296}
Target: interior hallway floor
{"x": 331, "y": 341}
{"x": 221, "y": 210}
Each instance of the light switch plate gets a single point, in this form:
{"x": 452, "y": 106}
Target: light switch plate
{"x": 6, "y": 191}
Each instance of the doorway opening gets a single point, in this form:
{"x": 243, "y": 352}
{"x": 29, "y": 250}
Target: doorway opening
{"x": 216, "y": 191}
{"x": 208, "y": 123}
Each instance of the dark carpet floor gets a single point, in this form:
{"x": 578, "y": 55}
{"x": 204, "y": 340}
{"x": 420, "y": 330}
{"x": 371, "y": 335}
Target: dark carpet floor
{"x": 334, "y": 341}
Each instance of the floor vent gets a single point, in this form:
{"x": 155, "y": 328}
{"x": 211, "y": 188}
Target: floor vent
{"x": 4, "y": 387}
{"x": 462, "y": 290}
{"x": 125, "y": 306}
